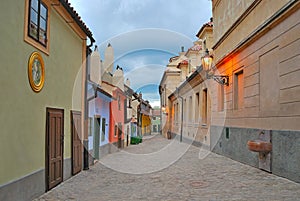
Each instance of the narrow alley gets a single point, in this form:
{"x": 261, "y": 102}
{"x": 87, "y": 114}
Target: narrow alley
{"x": 212, "y": 177}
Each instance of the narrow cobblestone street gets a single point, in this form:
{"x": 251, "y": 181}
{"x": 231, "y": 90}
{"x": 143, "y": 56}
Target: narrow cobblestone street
{"x": 189, "y": 178}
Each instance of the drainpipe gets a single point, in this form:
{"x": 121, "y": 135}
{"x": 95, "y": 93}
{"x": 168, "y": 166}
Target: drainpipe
{"x": 86, "y": 109}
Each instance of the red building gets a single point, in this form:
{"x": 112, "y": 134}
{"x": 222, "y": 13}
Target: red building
{"x": 117, "y": 112}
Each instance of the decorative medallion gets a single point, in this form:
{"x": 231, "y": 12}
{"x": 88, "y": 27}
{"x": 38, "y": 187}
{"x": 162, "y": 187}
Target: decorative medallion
{"x": 36, "y": 71}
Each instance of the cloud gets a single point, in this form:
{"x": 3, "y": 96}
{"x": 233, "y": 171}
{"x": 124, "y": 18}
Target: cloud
{"x": 108, "y": 18}
{"x": 143, "y": 39}
{"x": 144, "y": 33}
{"x": 155, "y": 103}
{"x": 145, "y": 75}
{"x": 143, "y": 57}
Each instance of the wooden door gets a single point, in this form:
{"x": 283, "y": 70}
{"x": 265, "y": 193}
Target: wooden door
{"x": 119, "y": 135}
{"x": 54, "y": 147}
{"x": 76, "y": 142}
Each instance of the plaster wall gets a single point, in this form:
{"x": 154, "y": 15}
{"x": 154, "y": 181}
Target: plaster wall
{"x": 271, "y": 101}
{"x": 23, "y": 119}
{"x": 228, "y": 12}
{"x": 271, "y": 85}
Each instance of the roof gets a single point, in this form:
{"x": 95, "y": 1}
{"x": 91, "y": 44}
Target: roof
{"x": 184, "y": 62}
{"x": 176, "y": 61}
{"x": 196, "y": 47}
{"x": 208, "y": 24}
{"x": 95, "y": 91}
{"x": 77, "y": 18}
{"x": 173, "y": 58}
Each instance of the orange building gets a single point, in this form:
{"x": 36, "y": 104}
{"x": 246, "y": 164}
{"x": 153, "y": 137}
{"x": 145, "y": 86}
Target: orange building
{"x": 117, "y": 112}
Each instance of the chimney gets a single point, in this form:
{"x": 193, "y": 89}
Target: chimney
{"x": 182, "y": 51}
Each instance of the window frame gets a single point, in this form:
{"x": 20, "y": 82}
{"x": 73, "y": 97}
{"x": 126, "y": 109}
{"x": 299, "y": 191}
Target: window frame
{"x": 116, "y": 130}
{"x": 204, "y": 106}
{"x": 238, "y": 89}
{"x": 27, "y": 21}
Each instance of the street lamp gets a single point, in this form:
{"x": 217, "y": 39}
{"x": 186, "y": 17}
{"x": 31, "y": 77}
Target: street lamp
{"x": 164, "y": 110}
{"x": 209, "y": 71}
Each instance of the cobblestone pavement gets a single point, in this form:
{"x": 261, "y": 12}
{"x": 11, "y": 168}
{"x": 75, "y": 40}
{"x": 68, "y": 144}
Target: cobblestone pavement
{"x": 212, "y": 178}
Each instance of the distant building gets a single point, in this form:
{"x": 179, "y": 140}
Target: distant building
{"x": 189, "y": 104}
{"x": 155, "y": 120}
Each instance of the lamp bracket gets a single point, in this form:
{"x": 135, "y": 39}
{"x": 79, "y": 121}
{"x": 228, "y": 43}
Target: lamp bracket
{"x": 221, "y": 79}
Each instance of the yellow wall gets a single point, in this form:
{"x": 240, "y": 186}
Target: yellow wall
{"x": 23, "y": 112}
{"x": 146, "y": 123}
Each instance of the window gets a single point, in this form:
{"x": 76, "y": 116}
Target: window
{"x": 129, "y": 102}
{"x": 37, "y": 22}
{"x": 238, "y": 92}
{"x": 36, "y": 30}
{"x": 116, "y": 130}
{"x": 204, "y": 105}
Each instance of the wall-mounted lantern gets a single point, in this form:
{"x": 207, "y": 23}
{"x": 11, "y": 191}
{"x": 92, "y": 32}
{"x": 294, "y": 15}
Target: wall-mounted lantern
{"x": 209, "y": 71}
{"x": 164, "y": 110}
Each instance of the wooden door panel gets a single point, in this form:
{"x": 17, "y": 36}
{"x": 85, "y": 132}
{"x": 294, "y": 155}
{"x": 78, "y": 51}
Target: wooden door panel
{"x": 54, "y": 147}
{"x": 76, "y": 142}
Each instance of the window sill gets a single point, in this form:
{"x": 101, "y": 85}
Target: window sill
{"x": 37, "y": 45}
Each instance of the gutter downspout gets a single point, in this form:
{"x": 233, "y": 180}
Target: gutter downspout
{"x": 86, "y": 108}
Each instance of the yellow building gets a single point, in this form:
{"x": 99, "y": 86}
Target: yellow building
{"x": 146, "y": 124}
{"x": 144, "y": 118}
{"x": 42, "y": 77}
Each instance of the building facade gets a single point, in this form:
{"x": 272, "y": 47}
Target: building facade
{"x": 170, "y": 80}
{"x": 188, "y": 103}
{"x": 144, "y": 118}
{"x": 259, "y": 49}
{"x": 155, "y": 120}
{"x": 42, "y": 96}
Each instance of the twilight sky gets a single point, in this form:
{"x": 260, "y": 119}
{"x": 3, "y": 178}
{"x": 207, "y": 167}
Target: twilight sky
{"x": 144, "y": 34}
